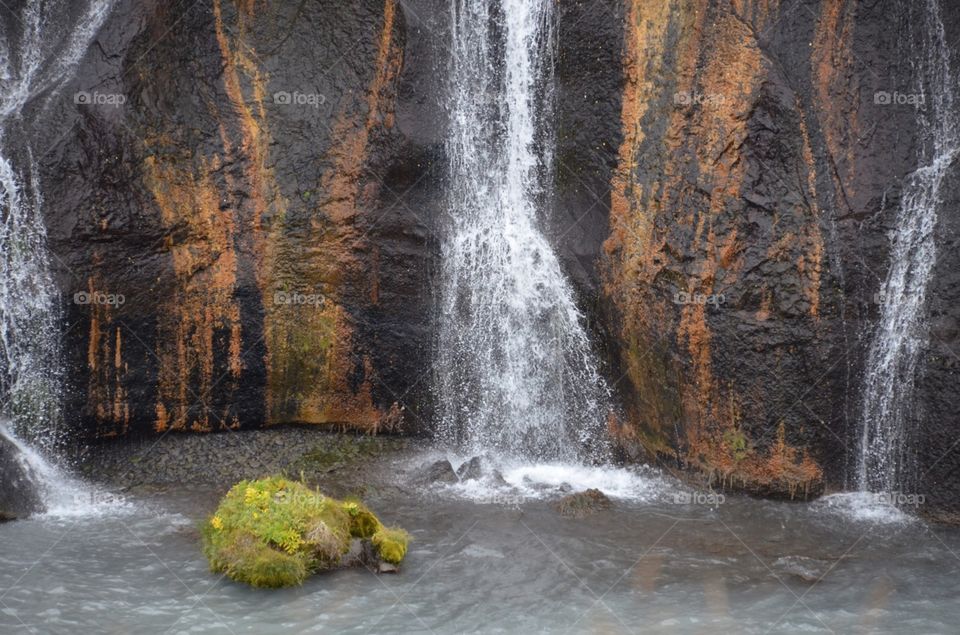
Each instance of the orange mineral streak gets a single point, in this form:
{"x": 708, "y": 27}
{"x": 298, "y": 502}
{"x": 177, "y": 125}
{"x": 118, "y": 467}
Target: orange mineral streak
{"x": 311, "y": 358}
{"x": 106, "y": 394}
{"x": 201, "y": 309}
{"x": 838, "y": 95}
{"x": 810, "y": 263}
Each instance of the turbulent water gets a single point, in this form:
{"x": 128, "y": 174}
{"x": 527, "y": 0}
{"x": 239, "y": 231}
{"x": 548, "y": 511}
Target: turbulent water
{"x": 515, "y": 372}
{"x": 888, "y": 404}
{"x": 747, "y": 566}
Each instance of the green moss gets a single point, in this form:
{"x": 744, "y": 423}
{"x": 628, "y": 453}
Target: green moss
{"x": 274, "y": 532}
{"x": 363, "y": 523}
{"x": 391, "y": 544}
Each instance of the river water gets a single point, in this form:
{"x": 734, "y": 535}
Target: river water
{"x": 664, "y": 559}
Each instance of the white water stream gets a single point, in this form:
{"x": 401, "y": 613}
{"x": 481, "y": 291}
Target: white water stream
{"x": 888, "y": 409}
{"x": 515, "y": 371}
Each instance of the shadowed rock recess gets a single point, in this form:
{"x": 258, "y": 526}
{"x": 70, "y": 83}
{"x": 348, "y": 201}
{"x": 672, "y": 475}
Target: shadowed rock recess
{"x": 250, "y": 238}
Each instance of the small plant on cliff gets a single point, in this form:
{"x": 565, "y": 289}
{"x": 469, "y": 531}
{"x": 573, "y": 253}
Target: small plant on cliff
{"x": 738, "y": 444}
{"x": 275, "y": 532}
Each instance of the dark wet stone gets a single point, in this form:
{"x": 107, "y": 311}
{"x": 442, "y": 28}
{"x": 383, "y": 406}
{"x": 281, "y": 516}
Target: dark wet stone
{"x": 583, "y": 504}
{"x": 470, "y": 470}
{"x": 18, "y": 490}
{"x": 440, "y": 472}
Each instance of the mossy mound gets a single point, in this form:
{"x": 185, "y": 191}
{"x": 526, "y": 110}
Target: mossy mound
{"x": 391, "y": 544}
{"x": 275, "y": 532}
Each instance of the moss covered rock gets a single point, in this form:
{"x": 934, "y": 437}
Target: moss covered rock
{"x": 275, "y": 532}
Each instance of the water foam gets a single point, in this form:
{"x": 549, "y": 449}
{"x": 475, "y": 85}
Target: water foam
{"x": 865, "y": 507}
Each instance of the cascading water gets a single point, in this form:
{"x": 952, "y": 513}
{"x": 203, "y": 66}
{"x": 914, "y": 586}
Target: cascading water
{"x": 515, "y": 371}
{"x": 888, "y": 404}
{"x": 37, "y": 53}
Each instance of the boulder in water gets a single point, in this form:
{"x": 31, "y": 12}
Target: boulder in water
{"x": 470, "y": 470}
{"x": 274, "y": 532}
{"x": 583, "y": 504}
{"x": 440, "y": 472}
{"x": 19, "y": 496}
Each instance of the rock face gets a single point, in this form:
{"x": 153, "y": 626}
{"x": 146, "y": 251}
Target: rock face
{"x": 18, "y": 491}
{"x": 756, "y": 180}
{"x": 264, "y": 203}
{"x": 232, "y": 235}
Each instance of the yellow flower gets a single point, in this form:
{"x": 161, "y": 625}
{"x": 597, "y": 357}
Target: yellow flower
{"x": 216, "y": 522}
{"x": 256, "y": 515}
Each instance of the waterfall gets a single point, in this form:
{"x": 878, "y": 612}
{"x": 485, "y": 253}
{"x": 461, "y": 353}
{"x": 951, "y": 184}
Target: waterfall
{"x": 515, "y": 372}
{"x": 888, "y": 404}
{"x": 38, "y": 52}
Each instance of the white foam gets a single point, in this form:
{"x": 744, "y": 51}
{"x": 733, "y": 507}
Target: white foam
{"x": 868, "y": 507}
{"x": 513, "y": 481}
{"x": 63, "y": 495}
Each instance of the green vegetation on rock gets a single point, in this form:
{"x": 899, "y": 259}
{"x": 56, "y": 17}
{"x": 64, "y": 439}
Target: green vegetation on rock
{"x": 391, "y": 544}
{"x": 274, "y": 532}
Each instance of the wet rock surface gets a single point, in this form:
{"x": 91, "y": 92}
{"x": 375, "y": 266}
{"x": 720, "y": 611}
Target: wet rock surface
{"x": 18, "y": 490}
{"x": 583, "y": 504}
{"x": 470, "y": 470}
{"x": 439, "y": 472}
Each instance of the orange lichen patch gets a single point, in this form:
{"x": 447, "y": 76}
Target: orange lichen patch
{"x": 731, "y": 460}
{"x": 810, "y": 262}
{"x": 342, "y": 184}
{"x": 201, "y": 310}
{"x": 106, "y": 394}
{"x": 644, "y": 46}
{"x": 832, "y": 58}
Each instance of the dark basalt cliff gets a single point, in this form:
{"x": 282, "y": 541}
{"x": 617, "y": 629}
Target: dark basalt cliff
{"x": 265, "y": 201}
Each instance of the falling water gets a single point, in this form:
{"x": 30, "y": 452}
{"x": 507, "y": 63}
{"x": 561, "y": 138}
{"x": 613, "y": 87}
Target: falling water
{"x": 515, "y": 371}
{"x": 42, "y": 45}
{"x": 885, "y": 464}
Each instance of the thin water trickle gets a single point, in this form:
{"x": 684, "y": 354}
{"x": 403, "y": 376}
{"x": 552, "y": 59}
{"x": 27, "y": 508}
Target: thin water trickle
{"x": 888, "y": 405}
{"x": 515, "y": 371}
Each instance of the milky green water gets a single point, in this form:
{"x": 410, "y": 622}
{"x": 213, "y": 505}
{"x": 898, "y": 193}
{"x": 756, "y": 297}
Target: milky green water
{"x": 649, "y": 565}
